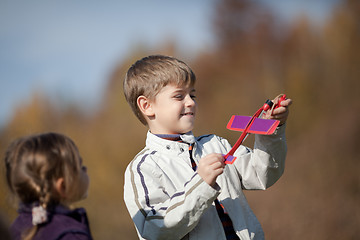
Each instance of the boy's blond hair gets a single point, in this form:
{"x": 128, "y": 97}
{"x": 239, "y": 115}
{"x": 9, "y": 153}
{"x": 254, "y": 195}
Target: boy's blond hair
{"x": 147, "y": 76}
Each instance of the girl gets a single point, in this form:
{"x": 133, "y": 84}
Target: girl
{"x": 45, "y": 173}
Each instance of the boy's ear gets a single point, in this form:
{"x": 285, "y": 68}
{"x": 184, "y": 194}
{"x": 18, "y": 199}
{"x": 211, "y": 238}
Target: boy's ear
{"x": 144, "y": 105}
{"x": 60, "y": 187}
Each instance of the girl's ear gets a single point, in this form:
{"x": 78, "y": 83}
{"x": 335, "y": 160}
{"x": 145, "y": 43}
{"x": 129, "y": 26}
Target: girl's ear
{"x": 60, "y": 187}
{"x": 145, "y": 107}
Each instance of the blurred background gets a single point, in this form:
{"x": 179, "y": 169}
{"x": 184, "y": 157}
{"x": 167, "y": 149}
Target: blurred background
{"x": 62, "y": 64}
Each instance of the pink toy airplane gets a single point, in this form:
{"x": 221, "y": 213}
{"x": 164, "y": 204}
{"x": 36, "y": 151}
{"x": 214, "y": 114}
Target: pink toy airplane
{"x": 247, "y": 124}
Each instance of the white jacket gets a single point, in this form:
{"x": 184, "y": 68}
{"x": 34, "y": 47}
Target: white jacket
{"x": 168, "y": 200}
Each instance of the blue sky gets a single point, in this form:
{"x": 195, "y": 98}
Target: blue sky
{"x": 67, "y": 49}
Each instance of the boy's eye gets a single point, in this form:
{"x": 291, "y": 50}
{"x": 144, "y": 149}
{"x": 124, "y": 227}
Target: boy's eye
{"x": 192, "y": 96}
{"x": 179, "y": 96}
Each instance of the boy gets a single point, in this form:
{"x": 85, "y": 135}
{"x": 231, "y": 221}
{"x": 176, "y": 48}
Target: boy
{"x": 178, "y": 186}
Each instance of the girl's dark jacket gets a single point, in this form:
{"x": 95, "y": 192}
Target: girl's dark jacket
{"x": 63, "y": 223}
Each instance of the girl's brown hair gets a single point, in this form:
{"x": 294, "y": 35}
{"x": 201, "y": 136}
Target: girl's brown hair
{"x": 34, "y": 163}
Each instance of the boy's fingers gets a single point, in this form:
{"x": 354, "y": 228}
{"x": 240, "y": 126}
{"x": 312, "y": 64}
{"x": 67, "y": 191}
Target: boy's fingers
{"x": 214, "y": 157}
{"x": 218, "y": 164}
{"x": 279, "y": 111}
{"x": 218, "y": 171}
{"x": 286, "y": 102}
{"x": 282, "y": 117}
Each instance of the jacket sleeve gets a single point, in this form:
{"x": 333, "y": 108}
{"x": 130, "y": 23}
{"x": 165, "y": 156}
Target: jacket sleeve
{"x": 261, "y": 167}
{"x": 156, "y": 214}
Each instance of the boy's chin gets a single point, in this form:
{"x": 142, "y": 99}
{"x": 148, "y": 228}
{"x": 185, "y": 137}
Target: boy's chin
{"x": 177, "y": 130}
{"x": 187, "y": 130}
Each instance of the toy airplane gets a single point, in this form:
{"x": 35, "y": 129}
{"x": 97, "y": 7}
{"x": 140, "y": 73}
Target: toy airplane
{"x": 259, "y": 126}
{"x": 247, "y": 124}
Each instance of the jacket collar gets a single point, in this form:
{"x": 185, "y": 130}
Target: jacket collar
{"x": 172, "y": 147}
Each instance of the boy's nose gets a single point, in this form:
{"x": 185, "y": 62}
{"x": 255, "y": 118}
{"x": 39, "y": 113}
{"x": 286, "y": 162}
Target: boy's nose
{"x": 189, "y": 101}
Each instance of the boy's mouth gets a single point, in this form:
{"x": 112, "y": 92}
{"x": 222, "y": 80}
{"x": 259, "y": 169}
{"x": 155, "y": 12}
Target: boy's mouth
{"x": 187, "y": 114}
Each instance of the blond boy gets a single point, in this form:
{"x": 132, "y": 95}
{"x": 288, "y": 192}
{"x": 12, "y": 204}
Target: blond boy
{"x": 178, "y": 186}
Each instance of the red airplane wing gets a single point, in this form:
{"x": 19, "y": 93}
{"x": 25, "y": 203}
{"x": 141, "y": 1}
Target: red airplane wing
{"x": 259, "y": 126}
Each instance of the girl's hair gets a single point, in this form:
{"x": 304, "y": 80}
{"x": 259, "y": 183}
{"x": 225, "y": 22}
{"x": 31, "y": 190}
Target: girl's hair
{"x": 34, "y": 163}
{"x": 149, "y": 75}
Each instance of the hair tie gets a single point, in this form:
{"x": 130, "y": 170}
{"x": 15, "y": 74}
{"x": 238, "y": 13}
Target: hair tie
{"x": 39, "y": 215}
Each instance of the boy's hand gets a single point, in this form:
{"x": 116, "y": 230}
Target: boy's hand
{"x": 281, "y": 113}
{"x": 210, "y": 167}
